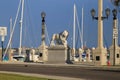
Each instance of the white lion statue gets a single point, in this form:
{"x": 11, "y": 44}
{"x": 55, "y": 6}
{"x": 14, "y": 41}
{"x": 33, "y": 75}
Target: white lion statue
{"x": 60, "y": 39}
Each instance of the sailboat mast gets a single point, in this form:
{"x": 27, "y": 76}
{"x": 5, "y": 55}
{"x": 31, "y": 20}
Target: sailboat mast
{"x": 74, "y": 26}
{"x": 21, "y": 24}
{"x": 13, "y": 28}
{"x": 11, "y": 31}
{"x": 82, "y": 28}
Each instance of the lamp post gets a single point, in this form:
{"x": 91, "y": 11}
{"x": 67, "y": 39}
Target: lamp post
{"x": 115, "y": 34}
{"x": 43, "y": 49}
{"x": 43, "y": 27}
{"x": 100, "y": 18}
{"x": 100, "y": 52}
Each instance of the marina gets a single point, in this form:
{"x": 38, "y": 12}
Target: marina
{"x": 59, "y": 48}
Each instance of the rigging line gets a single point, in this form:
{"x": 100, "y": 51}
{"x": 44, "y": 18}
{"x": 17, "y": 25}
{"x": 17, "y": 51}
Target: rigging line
{"x": 34, "y": 41}
{"x": 82, "y": 25}
{"x": 77, "y": 44}
{"x": 80, "y": 33}
{"x": 25, "y": 32}
{"x": 28, "y": 20}
{"x": 13, "y": 29}
{"x": 26, "y": 37}
{"x": 106, "y": 44}
{"x": 70, "y": 30}
{"x": 10, "y": 31}
{"x": 47, "y": 34}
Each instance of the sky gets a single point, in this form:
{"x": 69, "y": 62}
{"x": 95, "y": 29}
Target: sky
{"x": 59, "y": 17}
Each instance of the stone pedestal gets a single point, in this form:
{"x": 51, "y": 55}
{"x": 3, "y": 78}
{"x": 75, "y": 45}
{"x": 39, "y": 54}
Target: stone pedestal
{"x": 10, "y": 55}
{"x": 100, "y": 56}
{"x": 88, "y": 55}
{"x": 73, "y": 54}
{"x": 114, "y": 55}
{"x": 80, "y": 51}
{"x": 32, "y": 55}
{"x": 57, "y": 54}
{"x": 43, "y": 49}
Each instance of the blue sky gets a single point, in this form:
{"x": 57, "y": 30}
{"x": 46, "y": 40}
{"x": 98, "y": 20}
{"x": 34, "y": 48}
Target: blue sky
{"x": 59, "y": 17}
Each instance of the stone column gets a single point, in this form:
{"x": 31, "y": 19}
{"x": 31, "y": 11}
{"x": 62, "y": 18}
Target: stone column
{"x": 100, "y": 24}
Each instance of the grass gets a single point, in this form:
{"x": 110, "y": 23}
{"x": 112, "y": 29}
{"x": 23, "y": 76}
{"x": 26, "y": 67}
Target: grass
{"x": 4, "y": 76}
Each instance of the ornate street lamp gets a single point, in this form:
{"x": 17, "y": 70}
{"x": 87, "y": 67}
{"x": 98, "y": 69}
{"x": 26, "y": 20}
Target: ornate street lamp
{"x": 116, "y": 2}
{"x": 107, "y": 12}
{"x": 43, "y": 16}
{"x": 93, "y": 12}
{"x": 114, "y": 11}
{"x": 115, "y": 35}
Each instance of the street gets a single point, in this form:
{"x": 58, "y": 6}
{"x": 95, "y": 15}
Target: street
{"x": 66, "y": 71}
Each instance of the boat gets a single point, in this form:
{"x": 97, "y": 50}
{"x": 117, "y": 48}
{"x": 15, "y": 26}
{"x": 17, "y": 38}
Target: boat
{"x": 19, "y": 55}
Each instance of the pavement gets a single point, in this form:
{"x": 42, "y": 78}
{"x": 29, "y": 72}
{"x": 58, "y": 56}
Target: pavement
{"x": 101, "y": 68}
{"x": 110, "y": 67}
